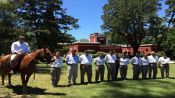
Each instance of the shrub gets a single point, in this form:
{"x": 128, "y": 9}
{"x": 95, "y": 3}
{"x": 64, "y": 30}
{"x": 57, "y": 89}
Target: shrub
{"x": 91, "y": 51}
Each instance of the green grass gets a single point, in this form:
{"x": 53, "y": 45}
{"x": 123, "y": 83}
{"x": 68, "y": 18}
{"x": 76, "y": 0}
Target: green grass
{"x": 41, "y": 87}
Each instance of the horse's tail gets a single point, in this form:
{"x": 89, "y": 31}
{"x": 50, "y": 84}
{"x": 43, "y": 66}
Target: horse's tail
{"x": 34, "y": 75}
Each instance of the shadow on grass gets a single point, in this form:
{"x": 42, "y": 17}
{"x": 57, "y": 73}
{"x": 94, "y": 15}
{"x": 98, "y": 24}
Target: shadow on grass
{"x": 138, "y": 89}
{"x": 33, "y": 90}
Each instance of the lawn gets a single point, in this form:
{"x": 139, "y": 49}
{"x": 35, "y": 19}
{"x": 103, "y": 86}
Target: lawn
{"x": 41, "y": 87}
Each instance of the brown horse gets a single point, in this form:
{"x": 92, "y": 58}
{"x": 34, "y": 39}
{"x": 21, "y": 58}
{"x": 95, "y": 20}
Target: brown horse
{"x": 4, "y": 69}
{"x": 28, "y": 64}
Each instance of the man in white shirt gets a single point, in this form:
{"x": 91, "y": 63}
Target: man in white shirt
{"x": 111, "y": 65}
{"x": 153, "y": 59}
{"x": 55, "y": 70}
{"x": 124, "y": 61}
{"x": 99, "y": 62}
{"x": 72, "y": 62}
{"x": 18, "y": 49}
{"x": 145, "y": 66}
{"x": 136, "y": 62}
{"x": 86, "y": 66}
{"x": 163, "y": 62}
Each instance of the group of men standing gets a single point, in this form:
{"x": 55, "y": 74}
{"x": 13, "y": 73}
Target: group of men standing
{"x": 145, "y": 65}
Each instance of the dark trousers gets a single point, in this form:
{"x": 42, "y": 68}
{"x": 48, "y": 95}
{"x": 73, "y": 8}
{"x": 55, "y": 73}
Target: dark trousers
{"x": 136, "y": 71}
{"x": 99, "y": 71}
{"x": 55, "y": 75}
{"x": 152, "y": 68}
{"x": 165, "y": 69}
{"x": 111, "y": 71}
{"x": 123, "y": 71}
{"x": 144, "y": 71}
{"x": 86, "y": 69}
{"x": 117, "y": 70}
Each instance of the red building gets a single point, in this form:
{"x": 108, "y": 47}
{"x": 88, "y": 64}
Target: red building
{"x": 99, "y": 42}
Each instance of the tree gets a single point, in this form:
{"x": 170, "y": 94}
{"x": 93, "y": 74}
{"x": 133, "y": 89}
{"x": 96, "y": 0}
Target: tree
{"x": 169, "y": 43}
{"x": 129, "y": 19}
{"x": 84, "y": 40}
{"x": 47, "y": 20}
{"x": 8, "y": 26}
{"x": 170, "y": 12}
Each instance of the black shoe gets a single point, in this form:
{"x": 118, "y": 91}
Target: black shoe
{"x": 82, "y": 83}
{"x": 74, "y": 83}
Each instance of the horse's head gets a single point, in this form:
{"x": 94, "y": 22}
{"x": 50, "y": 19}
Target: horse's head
{"x": 46, "y": 55}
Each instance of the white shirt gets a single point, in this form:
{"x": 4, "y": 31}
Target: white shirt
{"x": 99, "y": 61}
{"x": 20, "y": 47}
{"x": 57, "y": 63}
{"x": 86, "y": 60}
{"x": 163, "y": 60}
{"x": 110, "y": 58}
{"x": 144, "y": 61}
{"x": 152, "y": 59}
{"x": 136, "y": 61}
{"x": 72, "y": 59}
{"x": 124, "y": 61}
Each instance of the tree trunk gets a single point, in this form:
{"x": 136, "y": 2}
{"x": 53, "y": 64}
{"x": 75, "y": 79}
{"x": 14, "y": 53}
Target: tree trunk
{"x": 38, "y": 41}
{"x": 135, "y": 48}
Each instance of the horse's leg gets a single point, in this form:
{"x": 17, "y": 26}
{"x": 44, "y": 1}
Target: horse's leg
{"x": 23, "y": 83}
{"x": 9, "y": 79}
{"x": 2, "y": 77}
{"x": 27, "y": 79}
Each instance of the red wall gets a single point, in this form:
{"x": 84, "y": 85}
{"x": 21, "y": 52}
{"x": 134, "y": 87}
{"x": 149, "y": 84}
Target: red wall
{"x": 92, "y": 39}
{"x": 81, "y": 47}
{"x": 142, "y": 49}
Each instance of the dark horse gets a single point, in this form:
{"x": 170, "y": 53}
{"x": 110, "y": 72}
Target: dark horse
{"x": 28, "y": 65}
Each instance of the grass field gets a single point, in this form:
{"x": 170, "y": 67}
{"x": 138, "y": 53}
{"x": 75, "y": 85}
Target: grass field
{"x": 41, "y": 87}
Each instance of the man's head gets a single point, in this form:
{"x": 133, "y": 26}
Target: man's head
{"x": 153, "y": 53}
{"x": 73, "y": 51}
{"x": 137, "y": 54}
{"x": 164, "y": 55}
{"x": 101, "y": 55}
{"x": 145, "y": 55}
{"x": 111, "y": 52}
{"x": 22, "y": 38}
{"x": 57, "y": 54}
{"x": 86, "y": 52}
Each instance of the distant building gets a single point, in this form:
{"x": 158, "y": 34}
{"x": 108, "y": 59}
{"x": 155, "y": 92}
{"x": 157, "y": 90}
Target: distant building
{"x": 99, "y": 42}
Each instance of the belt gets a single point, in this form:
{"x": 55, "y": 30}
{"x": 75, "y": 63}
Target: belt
{"x": 100, "y": 65}
{"x": 111, "y": 63}
{"x": 85, "y": 64}
{"x": 54, "y": 67}
{"x": 153, "y": 63}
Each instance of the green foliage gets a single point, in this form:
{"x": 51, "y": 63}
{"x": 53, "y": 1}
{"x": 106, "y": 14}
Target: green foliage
{"x": 91, "y": 51}
{"x": 169, "y": 43}
{"x": 170, "y": 12}
{"x": 47, "y": 20}
{"x": 64, "y": 49}
{"x": 129, "y": 19}
{"x": 84, "y": 40}
{"x": 8, "y": 27}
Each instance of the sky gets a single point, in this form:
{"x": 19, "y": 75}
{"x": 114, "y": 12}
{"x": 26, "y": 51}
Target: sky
{"x": 89, "y": 14}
